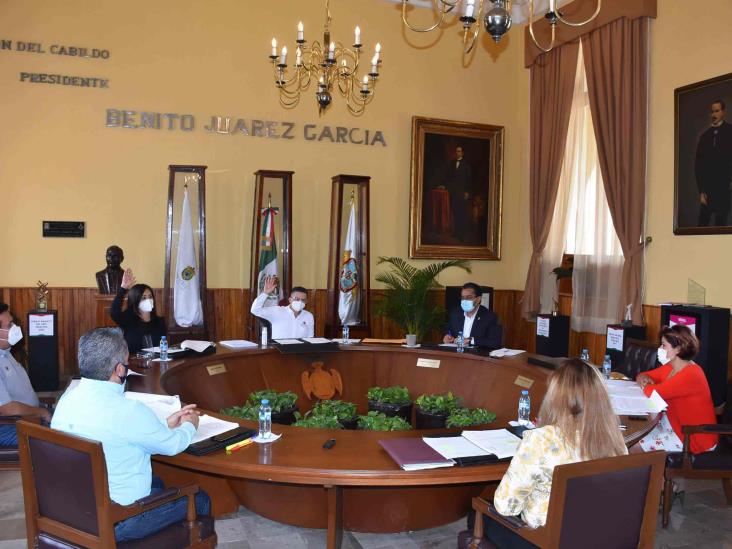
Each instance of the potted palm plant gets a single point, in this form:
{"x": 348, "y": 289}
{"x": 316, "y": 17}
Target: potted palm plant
{"x": 405, "y": 303}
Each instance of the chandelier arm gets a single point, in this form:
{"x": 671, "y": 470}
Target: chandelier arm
{"x": 579, "y": 24}
{"x": 536, "y": 42}
{"x": 285, "y": 81}
{"x": 416, "y": 29}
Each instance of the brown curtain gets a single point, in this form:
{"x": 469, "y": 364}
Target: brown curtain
{"x": 616, "y": 61}
{"x": 552, "y": 84}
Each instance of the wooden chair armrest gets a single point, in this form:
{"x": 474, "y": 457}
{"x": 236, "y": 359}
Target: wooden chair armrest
{"x": 716, "y": 428}
{"x": 537, "y": 536}
{"x": 11, "y": 420}
{"x": 121, "y": 512}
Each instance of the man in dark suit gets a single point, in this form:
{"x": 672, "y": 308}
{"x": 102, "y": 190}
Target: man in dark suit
{"x": 479, "y": 325}
{"x": 458, "y": 179}
{"x": 713, "y": 168}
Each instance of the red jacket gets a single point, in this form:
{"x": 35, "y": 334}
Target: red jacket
{"x": 689, "y": 401}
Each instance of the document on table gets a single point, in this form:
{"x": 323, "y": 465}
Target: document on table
{"x": 628, "y": 398}
{"x": 288, "y": 341}
{"x": 454, "y": 447}
{"x": 161, "y": 405}
{"x": 171, "y": 351}
{"x": 196, "y": 345}
{"x": 316, "y": 340}
{"x": 238, "y": 344}
{"x": 209, "y": 426}
{"x": 500, "y": 442}
{"x": 342, "y": 341}
{"x": 500, "y": 353}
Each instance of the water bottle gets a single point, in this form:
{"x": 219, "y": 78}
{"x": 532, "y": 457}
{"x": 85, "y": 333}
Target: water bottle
{"x": 346, "y": 334}
{"x": 265, "y": 419}
{"x": 460, "y": 342}
{"x": 585, "y": 355}
{"x": 606, "y": 367}
{"x": 163, "y": 348}
{"x": 524, "y": 408}
{"x": 264, "y": 338}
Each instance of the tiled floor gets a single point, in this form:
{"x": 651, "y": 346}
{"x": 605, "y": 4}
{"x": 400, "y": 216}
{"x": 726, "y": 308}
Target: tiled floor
{"x": 704, "y": 521}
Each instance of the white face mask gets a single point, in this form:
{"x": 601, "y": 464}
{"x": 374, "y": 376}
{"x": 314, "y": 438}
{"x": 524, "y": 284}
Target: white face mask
{"x": 662, "y": 356}
{"x": 146, "y": 305}
{"x": 15, "y": 334}
{"x": 297, "y": 306}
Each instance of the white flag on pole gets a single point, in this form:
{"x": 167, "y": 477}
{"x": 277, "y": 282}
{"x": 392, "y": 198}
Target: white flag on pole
{"x": 186, "y": 297}
{"x": 348, "y": 302}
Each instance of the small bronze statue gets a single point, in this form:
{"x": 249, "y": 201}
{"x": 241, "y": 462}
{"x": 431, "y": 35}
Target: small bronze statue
{"x": 42, "y": 296}
{"x": 109, "y": 280}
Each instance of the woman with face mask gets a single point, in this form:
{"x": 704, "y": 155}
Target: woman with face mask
{"x": 683, "y": 385}
{"x": 140, "y": 318}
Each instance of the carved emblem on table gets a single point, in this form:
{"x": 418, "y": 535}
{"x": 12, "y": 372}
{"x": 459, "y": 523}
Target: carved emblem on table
{"x": 320, "y": 382}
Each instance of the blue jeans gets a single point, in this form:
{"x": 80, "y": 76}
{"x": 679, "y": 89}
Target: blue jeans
{"x": 8, "y": 435}
{"x": 154, "y": 520}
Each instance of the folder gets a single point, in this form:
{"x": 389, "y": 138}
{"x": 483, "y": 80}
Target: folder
{"x": 413, "y": 454}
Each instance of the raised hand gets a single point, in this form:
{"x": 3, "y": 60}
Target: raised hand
{"x": 270, "y": 284}
{"x": 128, "y": 279}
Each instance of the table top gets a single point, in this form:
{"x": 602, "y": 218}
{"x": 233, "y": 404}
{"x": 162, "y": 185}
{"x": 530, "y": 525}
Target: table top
{"x": 357, "y": 459}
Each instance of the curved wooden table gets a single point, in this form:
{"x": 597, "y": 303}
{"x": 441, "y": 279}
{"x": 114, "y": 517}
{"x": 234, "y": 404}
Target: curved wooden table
{"x": 355, "y": 485}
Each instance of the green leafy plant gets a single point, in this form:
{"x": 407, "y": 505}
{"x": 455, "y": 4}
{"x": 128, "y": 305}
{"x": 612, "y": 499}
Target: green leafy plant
{"x": 438, "y": 404}
{"x": 389, "y": 395}
{"x": 405, "y": 303}
{"x": 466, "y": 417}
{"x": 250, "y": 409}
{"x": 376, "y": 421}
{"x": 338, "y": 409}
{"x": 317, "y": 422}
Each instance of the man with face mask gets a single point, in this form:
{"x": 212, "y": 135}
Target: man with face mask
{"x": 479, "y": 325}
{"x": 289, "y": 321}
{"x": 17, "y": 397}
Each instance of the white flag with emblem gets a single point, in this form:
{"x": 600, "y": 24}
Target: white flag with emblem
{"x": 348, "y": 301}
{"x": 187, "y": 308}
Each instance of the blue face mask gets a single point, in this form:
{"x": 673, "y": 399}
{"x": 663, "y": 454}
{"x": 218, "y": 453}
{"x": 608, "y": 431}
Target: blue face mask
{"x": 467, "y": 305}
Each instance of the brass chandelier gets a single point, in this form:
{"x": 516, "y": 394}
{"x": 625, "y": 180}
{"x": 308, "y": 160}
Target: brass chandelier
{"x": 496, "y": 16}
{"x": 331, "y": 64}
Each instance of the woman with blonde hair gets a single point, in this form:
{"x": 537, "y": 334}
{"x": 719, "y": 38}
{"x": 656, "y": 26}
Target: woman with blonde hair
{"x": 577, "y": 423}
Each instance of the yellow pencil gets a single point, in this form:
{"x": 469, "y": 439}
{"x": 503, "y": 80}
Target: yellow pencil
{"x": 237, "y": 445}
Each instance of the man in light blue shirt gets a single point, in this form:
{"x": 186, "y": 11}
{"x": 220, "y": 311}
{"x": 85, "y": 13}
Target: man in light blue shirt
{"x": 128, "y": 430}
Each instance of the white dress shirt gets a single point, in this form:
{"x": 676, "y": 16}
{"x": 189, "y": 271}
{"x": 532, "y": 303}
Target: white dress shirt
{"x": 468, "y": 325}
{"x": 284, "y": 322}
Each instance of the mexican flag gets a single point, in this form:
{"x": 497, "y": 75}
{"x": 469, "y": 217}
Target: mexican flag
{"x": 268, "y": 254}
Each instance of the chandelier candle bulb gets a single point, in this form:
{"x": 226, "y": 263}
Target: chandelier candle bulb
{"x": 331, "y": 51}
{"x": 469, "y": 8}
{"x": 365, "y": 85}
{"x": 375, "y": 64}
{"x": 378, "y": 51}
{"x": 357, "y": 37}
{"x": 300, "y": 32}
{"x": 283, "y": 57}
{"x": 274, "y": 48}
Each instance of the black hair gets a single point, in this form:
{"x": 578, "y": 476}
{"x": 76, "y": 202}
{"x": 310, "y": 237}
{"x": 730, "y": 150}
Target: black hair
{"x": 3, "y": 307}
{"x": 721, "y": 102}
{"x": 298, "y": 289}
{"x": 473, "y": 286}
{"x": 135, "y": 296}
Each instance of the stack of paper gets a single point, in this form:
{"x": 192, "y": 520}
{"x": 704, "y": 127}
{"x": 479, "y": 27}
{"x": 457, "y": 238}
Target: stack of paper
{"x": 316, "y": 340}
{"x": 454, "y": 447}
{"x": 500, "y": 442}
{"x": 238, "y": 344}
{"x": 500, "y": 353}
{"x": 196, "y": 345}
{"x": 628, "y": 398}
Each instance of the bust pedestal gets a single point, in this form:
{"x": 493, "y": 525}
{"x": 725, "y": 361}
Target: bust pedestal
{"x": 103, "y": 308}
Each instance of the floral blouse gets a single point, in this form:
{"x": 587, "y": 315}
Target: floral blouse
{"x": 527, "y": 484}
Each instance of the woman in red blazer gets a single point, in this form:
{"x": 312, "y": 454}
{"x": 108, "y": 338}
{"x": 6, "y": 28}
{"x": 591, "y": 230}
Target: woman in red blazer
{"x": 683, "y": 385}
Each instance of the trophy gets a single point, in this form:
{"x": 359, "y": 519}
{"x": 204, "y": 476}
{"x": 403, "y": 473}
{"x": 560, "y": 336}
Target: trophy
{"x": 42, "y": 296}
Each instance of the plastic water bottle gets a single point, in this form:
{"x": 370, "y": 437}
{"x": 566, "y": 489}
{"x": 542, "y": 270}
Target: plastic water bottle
{"x": 346, "y": 334}
{"x": 163, "y": 348}
{"x": 460, "y": 342}
{"x": 585, "y": 355}
{"x": 607, "y": 367}
{"x": 264, "y": 338}
{"x": 265, "y": 419}
{"x": 524, "y": 408}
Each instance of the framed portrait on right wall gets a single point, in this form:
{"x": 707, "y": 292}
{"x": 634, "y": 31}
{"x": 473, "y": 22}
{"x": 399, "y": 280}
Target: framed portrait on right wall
{"x": 703, "y": 159}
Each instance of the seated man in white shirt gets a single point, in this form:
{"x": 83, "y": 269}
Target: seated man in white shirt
{"x": 290, "y": 321}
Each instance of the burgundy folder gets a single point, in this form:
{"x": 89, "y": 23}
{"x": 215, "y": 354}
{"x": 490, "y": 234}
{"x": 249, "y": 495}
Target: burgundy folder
{"x": 412, "y": 454}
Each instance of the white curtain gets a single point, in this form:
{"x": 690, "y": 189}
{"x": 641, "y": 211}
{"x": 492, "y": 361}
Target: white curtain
{"x": 582, "y": 226}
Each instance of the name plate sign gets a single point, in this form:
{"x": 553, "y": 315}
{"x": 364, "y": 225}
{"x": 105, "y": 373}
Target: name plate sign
{"x": 216, "y": 369}
{"x": 428, "y": 363}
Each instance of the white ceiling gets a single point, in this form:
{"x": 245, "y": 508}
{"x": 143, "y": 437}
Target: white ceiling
{"x": 519, "y": 12}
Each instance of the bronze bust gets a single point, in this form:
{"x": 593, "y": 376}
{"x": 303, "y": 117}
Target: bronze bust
{"x": 109, "y": 280}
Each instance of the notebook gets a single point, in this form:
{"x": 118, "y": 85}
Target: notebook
{"x": 413, "y": 454}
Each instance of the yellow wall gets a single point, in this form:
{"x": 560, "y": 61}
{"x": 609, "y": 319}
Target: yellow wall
{"x": 681, "y": 56}
{"x": 58, "y": 160}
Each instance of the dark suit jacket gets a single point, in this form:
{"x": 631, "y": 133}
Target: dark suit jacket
{"x": 486, "y": 330}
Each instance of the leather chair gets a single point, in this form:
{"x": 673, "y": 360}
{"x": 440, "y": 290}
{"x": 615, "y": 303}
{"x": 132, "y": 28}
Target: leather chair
{"x": 640, "y": 356}
{"x": 715, "y": 464}
{"x": 603, "y": 504}
{"x": 67, "y": 502}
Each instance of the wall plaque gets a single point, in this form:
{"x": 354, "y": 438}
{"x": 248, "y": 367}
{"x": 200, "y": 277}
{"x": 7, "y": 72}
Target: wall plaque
{"x": 67, "y": 229}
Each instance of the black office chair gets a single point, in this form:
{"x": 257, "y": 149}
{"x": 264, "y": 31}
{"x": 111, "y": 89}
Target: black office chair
{"x": 640, "y": 356}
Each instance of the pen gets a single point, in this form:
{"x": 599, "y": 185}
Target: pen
{"x": 238, "y": 445}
